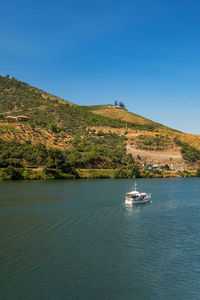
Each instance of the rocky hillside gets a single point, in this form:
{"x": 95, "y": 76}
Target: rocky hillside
{"x": 43, "y": 136}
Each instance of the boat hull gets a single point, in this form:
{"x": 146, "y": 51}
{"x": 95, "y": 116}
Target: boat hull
{"x": 137, "y": 201}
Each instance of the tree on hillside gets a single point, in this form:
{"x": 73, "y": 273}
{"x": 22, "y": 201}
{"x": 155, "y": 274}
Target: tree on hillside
{"x": 198, "y": 172}
{"x": 121, "y": 105}
{"x": 53, "y": 128}
{"x": 116, "y": 103}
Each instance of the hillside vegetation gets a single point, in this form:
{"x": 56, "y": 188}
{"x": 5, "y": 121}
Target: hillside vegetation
{"x": 18, "y": 98}
{"x": 36, "y": 161}
{"x": 26, "y": 147}
{"x": 59, "y": 139}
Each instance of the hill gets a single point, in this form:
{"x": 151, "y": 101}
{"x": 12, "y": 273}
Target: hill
{"x": 114, "y": 112}
{"x": 44, "y": 136}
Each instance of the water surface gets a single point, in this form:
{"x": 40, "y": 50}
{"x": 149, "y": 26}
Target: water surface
{"x": 77, "y": 240}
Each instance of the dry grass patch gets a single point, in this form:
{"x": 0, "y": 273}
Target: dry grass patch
{"x": 192, "y": 139}
{"x": 122, "y": 114}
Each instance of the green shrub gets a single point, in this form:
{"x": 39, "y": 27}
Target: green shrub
{"x": 198, "y": 172}
{"x": 189, "y": 153}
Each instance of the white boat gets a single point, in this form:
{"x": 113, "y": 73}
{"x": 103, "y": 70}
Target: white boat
{"x": 135, "y": 197}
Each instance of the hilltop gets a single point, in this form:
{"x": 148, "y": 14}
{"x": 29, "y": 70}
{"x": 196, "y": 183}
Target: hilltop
{"x": 44, "y": 136}
{"x": 116, "y": 112}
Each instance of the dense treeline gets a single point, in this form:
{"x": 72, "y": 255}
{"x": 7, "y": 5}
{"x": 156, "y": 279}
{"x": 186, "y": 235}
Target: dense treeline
{"x": 91, "y": 151}
{"x": 189, "y": 153}
{"x": 17, "y": 160}
{"x": 198, "y": 172}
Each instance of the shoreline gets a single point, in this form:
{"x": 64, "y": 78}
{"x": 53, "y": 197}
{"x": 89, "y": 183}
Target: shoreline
{"x": 49, "y": 174}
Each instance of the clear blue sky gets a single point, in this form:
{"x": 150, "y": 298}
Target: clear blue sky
{"x": 145, "y": 53}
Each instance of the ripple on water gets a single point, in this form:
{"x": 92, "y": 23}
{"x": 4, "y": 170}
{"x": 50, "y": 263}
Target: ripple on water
{"x": 70, "y": 241}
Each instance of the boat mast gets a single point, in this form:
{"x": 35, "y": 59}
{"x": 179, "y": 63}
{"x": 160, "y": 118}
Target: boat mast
{"x": 135, "y": 185}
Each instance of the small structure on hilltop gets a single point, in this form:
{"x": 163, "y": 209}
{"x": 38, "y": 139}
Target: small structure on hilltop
{"x": 22, "y": 118}
{"x": 119, "y": 105}
{"x": 18, "y": 118}
{"x": 11, "y": 118}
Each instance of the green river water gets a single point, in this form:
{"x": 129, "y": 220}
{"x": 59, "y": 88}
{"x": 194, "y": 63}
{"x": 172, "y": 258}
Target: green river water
{"x": 78, "y": 240}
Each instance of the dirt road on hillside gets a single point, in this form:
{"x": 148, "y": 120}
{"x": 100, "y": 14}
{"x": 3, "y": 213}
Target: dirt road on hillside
{"x": 171, "y": 157}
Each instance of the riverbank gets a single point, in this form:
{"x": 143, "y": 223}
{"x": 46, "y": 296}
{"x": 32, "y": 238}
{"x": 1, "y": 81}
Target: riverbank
{"x": 113, "y": 173}
{"x": 11, "y": 173}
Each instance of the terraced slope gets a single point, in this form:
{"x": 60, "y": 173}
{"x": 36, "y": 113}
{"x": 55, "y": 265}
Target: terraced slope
{"x": 122, "y": 114}
{"x": 93, "y": 138}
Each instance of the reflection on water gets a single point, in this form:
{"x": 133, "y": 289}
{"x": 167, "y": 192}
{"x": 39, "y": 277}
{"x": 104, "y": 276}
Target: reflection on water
{"x": 78, "y": 240}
